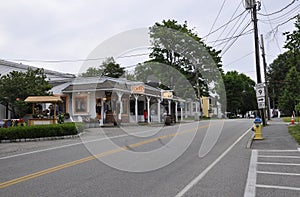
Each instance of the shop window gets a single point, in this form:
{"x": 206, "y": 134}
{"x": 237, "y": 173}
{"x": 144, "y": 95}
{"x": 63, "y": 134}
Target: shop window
{"x": 80, "y": 104}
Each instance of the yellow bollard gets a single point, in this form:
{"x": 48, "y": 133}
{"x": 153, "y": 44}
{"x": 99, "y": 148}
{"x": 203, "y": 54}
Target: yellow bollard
{"x": 257, "y": 129}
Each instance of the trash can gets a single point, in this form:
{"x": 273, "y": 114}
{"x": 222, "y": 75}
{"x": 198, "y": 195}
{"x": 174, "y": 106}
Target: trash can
{"x": 168, "y": 120}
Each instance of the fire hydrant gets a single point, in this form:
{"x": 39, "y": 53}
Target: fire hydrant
{"x": 257, "y": 128}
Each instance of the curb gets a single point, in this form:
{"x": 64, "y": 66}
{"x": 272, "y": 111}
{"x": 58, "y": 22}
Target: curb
{"x": 42, "y": 138}
{"x": 249, "y": 143}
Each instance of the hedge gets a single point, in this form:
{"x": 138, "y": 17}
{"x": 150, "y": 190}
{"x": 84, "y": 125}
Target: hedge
{"x": 38, "y": 131}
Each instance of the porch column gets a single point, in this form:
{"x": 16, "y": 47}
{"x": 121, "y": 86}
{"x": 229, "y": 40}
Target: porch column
{"x": 186, "y": 111}
{"x": 169, "y": 106}
{"x": 148, "y": 108}
{"x": 136, "y": 107}
{"x": 158, "y": 109}
{"x": 181, "y": 111}
{"x": 176, "y": 112}
{"x": 120, "y": 94}
{"x": 102, "y": 113}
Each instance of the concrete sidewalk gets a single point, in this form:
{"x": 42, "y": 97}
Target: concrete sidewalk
{"x": 276, "y": 136}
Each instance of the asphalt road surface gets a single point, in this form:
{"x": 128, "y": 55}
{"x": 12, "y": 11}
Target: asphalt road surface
{"x": 207, "y": 158}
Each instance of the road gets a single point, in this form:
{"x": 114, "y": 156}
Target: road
{"x": 207, "y": 158}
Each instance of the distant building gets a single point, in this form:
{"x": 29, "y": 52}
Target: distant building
{"x": 55, "y": 78}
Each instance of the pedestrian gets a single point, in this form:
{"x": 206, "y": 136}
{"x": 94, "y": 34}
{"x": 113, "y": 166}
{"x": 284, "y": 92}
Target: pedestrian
{"x": 145, "y": 115}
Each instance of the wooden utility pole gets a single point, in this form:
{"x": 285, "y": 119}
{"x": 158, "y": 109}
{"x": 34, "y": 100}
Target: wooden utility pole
{"x": 257, "y": 59}
{"x": 265, "y": 74}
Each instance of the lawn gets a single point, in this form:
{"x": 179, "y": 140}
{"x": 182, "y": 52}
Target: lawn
{"x": 295, "y": 132}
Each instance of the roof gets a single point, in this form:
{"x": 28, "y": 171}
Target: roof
{"x": 43, "y": 99}
{"x": 53, "y": 76}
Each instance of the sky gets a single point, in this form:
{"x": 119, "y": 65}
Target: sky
{"x": 34, "y": 32}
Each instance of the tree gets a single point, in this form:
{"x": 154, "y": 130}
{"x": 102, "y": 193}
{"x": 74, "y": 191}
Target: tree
{"x": 277, "y": 73}
{"x": 16, "y": 86}
{"x": 108, "y": 68}
{"x": 240, "y": 93}
{"x": 291, "y": 92}
{"x": 178, "y": 47}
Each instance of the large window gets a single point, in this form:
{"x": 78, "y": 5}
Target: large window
{"x": 80, "y": 104}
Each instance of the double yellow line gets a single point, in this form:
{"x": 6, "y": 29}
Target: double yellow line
{"x": 86, "y": 159}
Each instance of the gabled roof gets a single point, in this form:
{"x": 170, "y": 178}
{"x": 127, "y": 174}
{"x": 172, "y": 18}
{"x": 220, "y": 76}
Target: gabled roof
{"x": 53, "y": 76}
{"x": 89, "y": 84}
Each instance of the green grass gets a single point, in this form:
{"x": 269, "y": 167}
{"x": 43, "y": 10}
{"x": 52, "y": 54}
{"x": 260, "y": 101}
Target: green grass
{"x": 295, "y": 132}
{"x": 288, "y": 119}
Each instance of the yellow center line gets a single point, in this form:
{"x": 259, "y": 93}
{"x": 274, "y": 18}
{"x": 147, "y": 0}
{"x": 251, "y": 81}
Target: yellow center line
{"x": 86, "y": 159}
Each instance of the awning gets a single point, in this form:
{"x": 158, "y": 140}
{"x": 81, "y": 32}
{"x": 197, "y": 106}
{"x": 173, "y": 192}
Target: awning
{"x": 43, "y": 99}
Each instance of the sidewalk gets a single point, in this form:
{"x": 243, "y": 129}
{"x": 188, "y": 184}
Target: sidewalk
{"x": 276, "y": 136}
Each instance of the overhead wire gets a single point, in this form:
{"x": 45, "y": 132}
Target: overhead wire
{"x": 228, "y": 24}
{"x": 233, "y": 34}
{"x": 235, "y": 39}
{"x": 279, "y": 10}
{"x": 219, "y": 12}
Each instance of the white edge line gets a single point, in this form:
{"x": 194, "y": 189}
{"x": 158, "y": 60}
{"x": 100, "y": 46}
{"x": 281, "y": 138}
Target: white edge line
{"x": 74, "y": 144}
{"x": 278, "y": 187}
{"x": 204, "y": 172}
{"x": 251, "y": 179}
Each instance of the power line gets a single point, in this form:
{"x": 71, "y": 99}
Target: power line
{"x": 223, "y": 52}
{"x": 280, "y": 9}
{"x": 239, "y": 59}
{"x": 228, "y": 24}
{"x": 275, "y": 37}
{"x": 75, "y": 60}
{"x": 225, "y": 40}
{"x": 224, "y": 25}
{"x": 216, "y": 17}
{"x": 236, "y": 29}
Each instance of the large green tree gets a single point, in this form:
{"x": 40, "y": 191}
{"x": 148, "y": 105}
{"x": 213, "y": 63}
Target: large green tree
{"x": 108, "y": 68}
{"x": 278, "y": 81}
{"x": 178, "y": 57}
{"x": 16, "y": 86}
{"x": 240, "y": 93}
{"x": 291, "y": 91}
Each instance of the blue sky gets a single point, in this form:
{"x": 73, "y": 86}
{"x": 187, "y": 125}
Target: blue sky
{"x": 71, "y": 29}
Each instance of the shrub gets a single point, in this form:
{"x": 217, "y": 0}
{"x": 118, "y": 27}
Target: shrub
{"x": 37, "y": 131}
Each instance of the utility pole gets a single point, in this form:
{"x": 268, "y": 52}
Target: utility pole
{"x": 252, "y": 5}
{"x": 265, "y": 74}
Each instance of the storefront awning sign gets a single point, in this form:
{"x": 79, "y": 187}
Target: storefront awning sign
{"x": 137, "y": 89}
{"x": 167, "y": 95}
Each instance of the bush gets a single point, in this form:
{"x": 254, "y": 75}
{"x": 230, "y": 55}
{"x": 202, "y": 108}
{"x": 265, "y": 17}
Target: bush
{"x": 37, "y": 131}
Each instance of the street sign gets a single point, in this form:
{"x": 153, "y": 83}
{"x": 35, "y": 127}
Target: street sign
{"x": 260, "y": 90}
{"x": 260, "y": 99}
{"x": 261, "y": 105}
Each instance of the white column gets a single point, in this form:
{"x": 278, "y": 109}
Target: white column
{"x": 102, "y": 112}
{"x": 158, "y": 109}
{"x": 120, "y": 94}
{"x": 148, "y": 108}
{"x": 169, "y": 106}
{"x": 186, "y": 111}
{"x": 176, "y": 112}
{"x": 181, "y": 114}
{"x": 136, "y": 107}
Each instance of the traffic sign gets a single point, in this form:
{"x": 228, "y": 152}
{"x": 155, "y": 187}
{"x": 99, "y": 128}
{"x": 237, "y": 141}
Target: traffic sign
{"x": 260, "y": 90}
{"x": 261, "y": 105}
{"x": 260, "y": 99}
